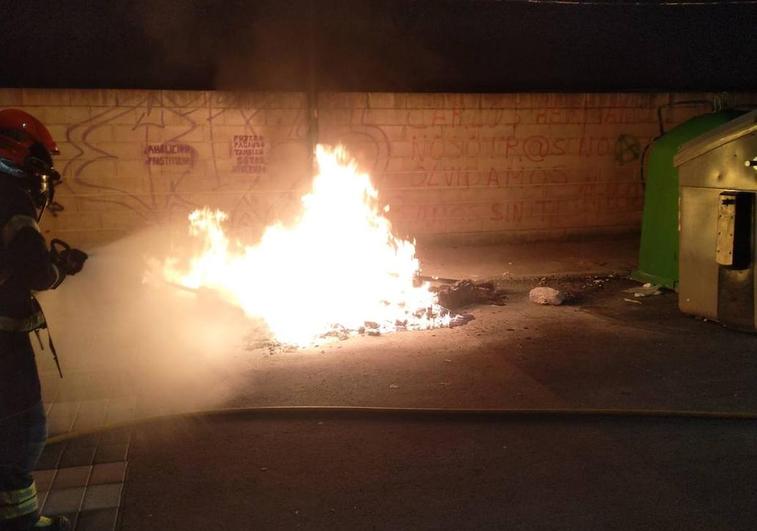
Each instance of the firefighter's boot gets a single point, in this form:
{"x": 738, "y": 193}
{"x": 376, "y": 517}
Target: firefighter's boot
{"x": 18, "y": 512}
{"x": 54, "y": 523}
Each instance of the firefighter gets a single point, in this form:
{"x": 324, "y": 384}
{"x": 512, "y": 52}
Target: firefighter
{"x": 27, "y": 264}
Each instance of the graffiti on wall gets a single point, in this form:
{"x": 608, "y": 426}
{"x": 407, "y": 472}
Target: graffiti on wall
{"x": 151, "y": 156}
{"x": 249, "y": 154}
{"x": 627, "y": 149}
{"x": 474, "y": 170}
{"x": 169, "y": 155}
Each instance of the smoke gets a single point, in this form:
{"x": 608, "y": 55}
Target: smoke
{"x": 224, "y": 45}
{"x": 270, "y": 45}
{"x": 173, "y": 349}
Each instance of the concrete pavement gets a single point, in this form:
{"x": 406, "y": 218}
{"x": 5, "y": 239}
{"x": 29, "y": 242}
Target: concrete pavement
{"x": 324, "y": 473}
{"x": 328, "y": 473}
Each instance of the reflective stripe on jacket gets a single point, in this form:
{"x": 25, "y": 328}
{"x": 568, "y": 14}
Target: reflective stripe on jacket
{"x": 17, "y": 503}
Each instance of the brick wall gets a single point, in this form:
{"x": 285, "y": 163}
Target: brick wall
{"x": 452, "y": 166}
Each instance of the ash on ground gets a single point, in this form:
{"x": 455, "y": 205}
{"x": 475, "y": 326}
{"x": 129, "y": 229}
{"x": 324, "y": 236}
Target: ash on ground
{"x": 462, "y": 294}
{"x": 440, "y": 316}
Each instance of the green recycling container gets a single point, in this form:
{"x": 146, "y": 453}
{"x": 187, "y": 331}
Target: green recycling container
{"x": 658, "y": 253}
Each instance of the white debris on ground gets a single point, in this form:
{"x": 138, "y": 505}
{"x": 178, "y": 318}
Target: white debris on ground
{"x": 646, "y": 290}
{"x": 598, "y": 281}
{"x": 547, "y": 296}
{"x": 259, "y": 338}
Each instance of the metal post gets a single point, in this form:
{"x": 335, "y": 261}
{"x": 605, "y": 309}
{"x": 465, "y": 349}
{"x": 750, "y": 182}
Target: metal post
{"x": 312, "y": 92}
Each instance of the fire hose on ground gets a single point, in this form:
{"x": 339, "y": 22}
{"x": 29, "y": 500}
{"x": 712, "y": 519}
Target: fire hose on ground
{"x": 415, "y": 413}
{"x": 421, "y": 413}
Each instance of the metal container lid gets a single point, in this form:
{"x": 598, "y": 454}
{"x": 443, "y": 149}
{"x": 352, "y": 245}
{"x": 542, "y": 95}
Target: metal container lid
{"x": 728, "y": 132}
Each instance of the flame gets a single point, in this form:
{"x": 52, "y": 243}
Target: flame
{"x": 337, "y": 267}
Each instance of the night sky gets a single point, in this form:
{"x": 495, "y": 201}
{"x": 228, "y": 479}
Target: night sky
{"x": 424, "y": 45}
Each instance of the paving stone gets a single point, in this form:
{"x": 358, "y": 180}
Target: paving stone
{"x": 63, "y": 501}
{"x": 62, "y": 416}
{"x": 119, "y": 435}
{"x": 97, "y": 520}
{"x": 111, "y": 453}
{"x": 96, "y": 385}
{"x": 73, "y": 518}
{"x": 91, "y": 414}
{"x": 102, "y": 496}
{"x": 44, "y": 479}
{"x": 122, "y": 383}
{"x": 70, "y": 477}
{"x": 42, "y": 498}
{"x": 76, "y": 456}
{"x": 108, "y": 473}
{"x": 121, "y": 410}
{"x": 78, "y": 385}
{"x": 50, "y": 383}
{"x": 86, "y": 441}
{"x": 50, "y": 457}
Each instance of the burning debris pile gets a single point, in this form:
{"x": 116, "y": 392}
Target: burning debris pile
{"x": 466, "y": 292}
{"x": 338, "y": 271}
{"x": 434, "y": 313}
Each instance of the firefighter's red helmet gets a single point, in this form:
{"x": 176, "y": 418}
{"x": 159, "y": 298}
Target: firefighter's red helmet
{"x": 21, "y": 135}
{"x": 26, "y": 150}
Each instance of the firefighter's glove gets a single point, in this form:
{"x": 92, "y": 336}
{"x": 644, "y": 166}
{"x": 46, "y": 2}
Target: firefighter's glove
{"x": 71, "y": 261}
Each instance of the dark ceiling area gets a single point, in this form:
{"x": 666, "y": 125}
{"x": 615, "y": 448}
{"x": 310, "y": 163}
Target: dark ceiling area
{"x": 423, "y": 45}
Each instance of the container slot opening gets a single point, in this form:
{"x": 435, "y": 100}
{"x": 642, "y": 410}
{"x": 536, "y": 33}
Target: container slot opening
{"x": 735, "y": 230}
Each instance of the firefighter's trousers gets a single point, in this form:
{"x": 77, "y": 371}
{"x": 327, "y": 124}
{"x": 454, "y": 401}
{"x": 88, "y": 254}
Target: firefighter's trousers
{"x": 22, "y": 439}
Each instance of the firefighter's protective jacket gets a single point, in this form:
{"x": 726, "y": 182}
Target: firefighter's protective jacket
{"x": 25, "y": 265}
